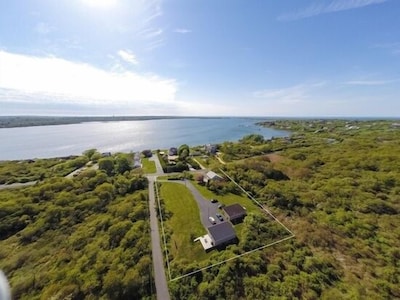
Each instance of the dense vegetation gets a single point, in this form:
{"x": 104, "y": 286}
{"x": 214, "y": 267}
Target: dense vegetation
{"x": 81, "y": 238}
{"x": 39, "y": 169}
{"x": 336, "y": 185}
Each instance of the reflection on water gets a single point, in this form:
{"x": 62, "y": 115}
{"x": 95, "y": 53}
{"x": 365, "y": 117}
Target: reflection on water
{"x": 126, "y": 136}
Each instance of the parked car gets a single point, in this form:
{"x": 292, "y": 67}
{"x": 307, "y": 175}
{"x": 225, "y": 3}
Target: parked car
{"x": 219, "y": 216}
{"x": 221, "y": 206}
{"x": 212, "y": 220}
{"x": 214, "y": 200}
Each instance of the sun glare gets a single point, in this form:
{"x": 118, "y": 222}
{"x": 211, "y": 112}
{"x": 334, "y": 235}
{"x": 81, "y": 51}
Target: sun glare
{"x": 100, "y": 3}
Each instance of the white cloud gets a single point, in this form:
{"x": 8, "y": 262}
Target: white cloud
{"x": 333, "y": 6}
{"x": 41, "y": 79}
{"x": 152, "y": 9}
{"x": 128, "y": 56}
{"x": 153, "y": 37}
{"x": 182, "y": 30}
{"x": 371, "y": 82}
{"x": 150, "y": 33}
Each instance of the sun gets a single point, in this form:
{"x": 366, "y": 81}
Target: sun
{"x": 101, "y": 3}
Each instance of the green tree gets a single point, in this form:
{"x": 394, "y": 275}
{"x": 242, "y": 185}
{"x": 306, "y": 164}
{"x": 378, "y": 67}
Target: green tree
{"x": 122, "y": 164}
{"x": 107, "y": 164}
{"x": 105, "y": 191}
{"x": 89, "y": 153}
{"x": 183, "y": 152}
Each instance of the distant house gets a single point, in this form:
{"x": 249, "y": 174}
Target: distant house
{"x": 147, "y": 153}
{"x": 211, "y": 148}
{"x": 172, "y": 159}
{"x": 221, "y": 234}
{"x": 172, "y": 151}
{"x": 235, "y": 213}
{"x": 106, "y": 154}
{"x": 212, "y": 176}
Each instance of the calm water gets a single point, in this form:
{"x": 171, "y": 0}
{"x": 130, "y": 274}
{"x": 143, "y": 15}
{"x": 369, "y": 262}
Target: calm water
{"x": 64, "y": 140}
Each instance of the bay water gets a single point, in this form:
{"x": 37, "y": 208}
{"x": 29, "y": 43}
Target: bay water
{"x": 124, "y": 136}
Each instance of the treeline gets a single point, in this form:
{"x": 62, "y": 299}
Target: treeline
{"x": 81, "y": 238}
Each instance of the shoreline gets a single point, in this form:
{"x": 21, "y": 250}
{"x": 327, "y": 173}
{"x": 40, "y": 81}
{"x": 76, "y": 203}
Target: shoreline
{"x": 32, "y": 121}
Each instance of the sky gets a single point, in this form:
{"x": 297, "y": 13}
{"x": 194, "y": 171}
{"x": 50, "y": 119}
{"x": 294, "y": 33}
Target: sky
{"x": 303, "y": 58}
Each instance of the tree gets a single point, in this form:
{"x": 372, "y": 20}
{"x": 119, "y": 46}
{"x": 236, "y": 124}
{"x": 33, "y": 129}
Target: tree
{"x": 105, "y": 191}
{"x": 183, "y": 152}
{"x": 107, "y": 164}
{"x": 112, "y": 284}
{"x": 122, "y": 164}
{"x": 89, "y": 153}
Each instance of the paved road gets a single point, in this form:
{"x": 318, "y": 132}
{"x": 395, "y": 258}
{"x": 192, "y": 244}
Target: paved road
{"x": 86, "y": 167}
{"x": 16, "y": 185}
{"x": 201, "y": 166}
{"x": 158, "y": 261}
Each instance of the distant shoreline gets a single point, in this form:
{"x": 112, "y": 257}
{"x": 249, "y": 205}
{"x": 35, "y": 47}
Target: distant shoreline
{"x": 29, "y": 121}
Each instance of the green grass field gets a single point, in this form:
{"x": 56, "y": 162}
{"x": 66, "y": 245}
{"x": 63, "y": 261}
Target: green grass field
{"x": 148, "y": 166}
{"x": 185, "y": 222}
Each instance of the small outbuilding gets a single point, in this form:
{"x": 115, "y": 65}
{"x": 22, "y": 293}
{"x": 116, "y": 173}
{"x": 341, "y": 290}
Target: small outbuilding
{"x": 211, "y": 148}
{"x": 235, "y": 213}
{"x": 212, "y": 176}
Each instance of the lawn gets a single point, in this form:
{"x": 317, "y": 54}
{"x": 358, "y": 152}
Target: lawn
{"x": 148, "y": 166}
{"x": 185, "y": 222}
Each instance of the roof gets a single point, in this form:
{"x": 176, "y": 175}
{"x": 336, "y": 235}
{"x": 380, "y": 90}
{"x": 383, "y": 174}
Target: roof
{"x": 235, "y": 211}
{"x": 213, "y": 175}
{"x": 222, "y": 232}
{"x": 173, "y": 151}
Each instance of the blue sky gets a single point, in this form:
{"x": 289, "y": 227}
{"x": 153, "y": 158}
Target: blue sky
{"x": 191, "y": 57}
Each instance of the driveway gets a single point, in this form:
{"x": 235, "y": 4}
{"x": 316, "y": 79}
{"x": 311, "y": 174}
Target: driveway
{"x": 85, "y": 167}
{"x": 154, "y": 158}
{"x": 207, "y": 209}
